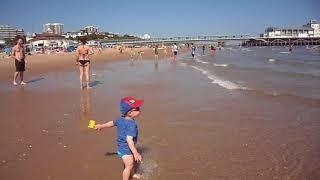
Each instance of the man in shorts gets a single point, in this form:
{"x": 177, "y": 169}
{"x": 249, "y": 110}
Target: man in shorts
{"x": 18, "y": 54}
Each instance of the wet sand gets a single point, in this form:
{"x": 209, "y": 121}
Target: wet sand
{"x": 189, "y": 128}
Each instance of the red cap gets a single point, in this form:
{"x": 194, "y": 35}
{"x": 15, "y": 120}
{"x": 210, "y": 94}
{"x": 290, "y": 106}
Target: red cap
{"x": 132, "y": 102}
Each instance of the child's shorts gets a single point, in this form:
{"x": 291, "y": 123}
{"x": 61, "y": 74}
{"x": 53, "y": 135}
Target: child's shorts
{"x": 121, "y": 154}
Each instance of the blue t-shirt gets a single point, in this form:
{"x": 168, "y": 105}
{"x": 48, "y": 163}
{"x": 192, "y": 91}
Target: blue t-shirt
{"x": 125, "y": 127}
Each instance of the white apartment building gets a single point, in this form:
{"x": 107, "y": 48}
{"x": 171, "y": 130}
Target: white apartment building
{"x": 8, "y": 32}
{"x": 75, "y": 34}
{"x": 91, "y": 29}
{"x": 54, "y": 28}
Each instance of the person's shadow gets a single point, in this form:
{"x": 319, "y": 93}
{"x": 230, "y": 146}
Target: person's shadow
{"x": 110, "y": 154}
{"x": 35, "y": 80}
{"x": 95, "y": 83}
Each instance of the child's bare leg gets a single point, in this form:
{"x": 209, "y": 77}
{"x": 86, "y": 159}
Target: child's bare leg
{"x": 128, "y": 166}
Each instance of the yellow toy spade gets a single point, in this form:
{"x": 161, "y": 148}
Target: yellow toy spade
{"x": 92, "y": 124}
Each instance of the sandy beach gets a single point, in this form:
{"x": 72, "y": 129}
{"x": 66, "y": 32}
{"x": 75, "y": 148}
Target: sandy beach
{"x": 41, "y": 63}
{"x": 190, "y": 128}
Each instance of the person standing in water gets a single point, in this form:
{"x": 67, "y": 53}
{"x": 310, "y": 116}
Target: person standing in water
{"x": 203, "y": 49}
{"x": 290, "y": 48}
{"x": 213, "y": 49}
{"x": 193, "y": 50}
{"x": 156, "y": 53}
{"x": 175, "y": 52}
{"x": 156, "y": 56}
{"x": 83, "y": 54}
{"x": 18, "y": 54}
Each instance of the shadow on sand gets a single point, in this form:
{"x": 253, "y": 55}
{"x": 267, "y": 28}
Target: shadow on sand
{"x": 35, "y": 80}
{"x": 142, "y": 150}
{"x": 110, "y": 154}
{"x": 95, "y": 83}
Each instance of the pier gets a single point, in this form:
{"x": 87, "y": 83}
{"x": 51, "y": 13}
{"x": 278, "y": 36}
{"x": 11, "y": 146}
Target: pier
{"x": 298, "y": 41}
{"x": 219, "y": 40}
{"x": 203, "y": 39}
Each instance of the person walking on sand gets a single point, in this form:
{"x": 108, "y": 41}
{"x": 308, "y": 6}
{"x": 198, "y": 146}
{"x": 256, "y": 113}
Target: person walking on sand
{"x": 127, "y": 135}
{"x": 18, "y": 54}
{"x": 83, "y": 54}
{"x": 140, "y": 52}
{"x": 100, "y": 49}
{"x": 131, "y": 54}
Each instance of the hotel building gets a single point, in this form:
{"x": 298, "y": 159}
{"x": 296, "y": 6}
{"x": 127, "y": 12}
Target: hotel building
{"x": 8, "y": 32}
{"x": 312, "y": 29}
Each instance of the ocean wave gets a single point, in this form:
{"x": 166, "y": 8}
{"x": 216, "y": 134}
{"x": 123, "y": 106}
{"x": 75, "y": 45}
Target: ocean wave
{"x": 221, "y": 82}
{"x": 246, "y": 49}
{"x": 271, "y": 60}
{"x": 287, "y": 95}
{"x": 312, "y": 73}
{"x": 284, "y": 52}
{"x": 221, "y": 65}
{"x": 271, "y": 93}
{"x": 203, "y": 62}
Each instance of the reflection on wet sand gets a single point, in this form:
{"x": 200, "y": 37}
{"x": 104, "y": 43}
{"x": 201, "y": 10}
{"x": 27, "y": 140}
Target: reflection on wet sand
{"x": 156, "y": 65}
{"x": 85, "y": 109}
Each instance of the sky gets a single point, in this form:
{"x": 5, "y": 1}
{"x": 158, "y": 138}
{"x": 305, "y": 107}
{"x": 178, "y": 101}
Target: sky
{"x": 161, "y": 18}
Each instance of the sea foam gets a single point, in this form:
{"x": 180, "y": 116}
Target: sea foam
{"x": 216, "y": 80}
{"x": 221, "y": 65}
{"x": 199, "y": 61}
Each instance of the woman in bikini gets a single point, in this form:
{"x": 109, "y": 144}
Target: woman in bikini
{"x": 83, "y": 52}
